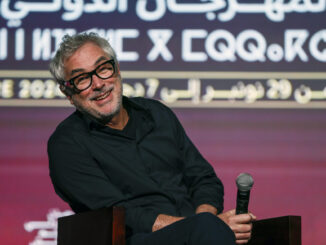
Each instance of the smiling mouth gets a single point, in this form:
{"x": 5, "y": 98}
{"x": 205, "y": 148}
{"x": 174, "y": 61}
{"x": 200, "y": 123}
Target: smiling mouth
{"x": 103, "y": 96}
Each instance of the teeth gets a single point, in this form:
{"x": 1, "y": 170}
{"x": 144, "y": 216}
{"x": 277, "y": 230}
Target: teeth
{"x": 103, "y": 96}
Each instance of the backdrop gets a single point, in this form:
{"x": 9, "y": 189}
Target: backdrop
{"x": 246, "y": 79}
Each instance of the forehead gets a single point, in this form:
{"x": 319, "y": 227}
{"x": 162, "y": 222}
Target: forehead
{"x": 84, "y": 58}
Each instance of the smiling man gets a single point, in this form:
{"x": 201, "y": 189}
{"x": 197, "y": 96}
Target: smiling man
{"x": 133, "y": 152}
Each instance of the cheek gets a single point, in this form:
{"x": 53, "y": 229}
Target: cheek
{"x": 82, "y": 97}
{"x": 119, "y": 86}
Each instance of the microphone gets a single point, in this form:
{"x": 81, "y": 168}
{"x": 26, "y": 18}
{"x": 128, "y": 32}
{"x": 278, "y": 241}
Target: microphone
{"x": 244, "y": 182}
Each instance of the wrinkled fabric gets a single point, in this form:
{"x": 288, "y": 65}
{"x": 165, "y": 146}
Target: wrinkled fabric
{"x": 150, "y": 168}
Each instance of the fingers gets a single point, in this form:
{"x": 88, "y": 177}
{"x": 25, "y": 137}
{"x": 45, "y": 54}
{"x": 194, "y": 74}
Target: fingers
{"x": 240, "y": 224}
{"x": 253, "y": 217}
{"x": 241, "y": 241}
{"x": 230, "y": 218}
{"x": 231, "y": 212}
{"x": 242, "y": 218}
{"x": 226, "y": 215}
{"x": 243, "y": 236}
{"x": 242, "y": 228}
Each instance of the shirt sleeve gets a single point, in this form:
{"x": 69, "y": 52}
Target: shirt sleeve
{"x": 203, "y": 184}
{"x": 79, "y": 181}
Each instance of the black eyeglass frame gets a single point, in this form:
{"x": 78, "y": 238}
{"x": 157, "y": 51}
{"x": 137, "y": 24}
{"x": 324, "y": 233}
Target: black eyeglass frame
{"x": 90, "y": 74}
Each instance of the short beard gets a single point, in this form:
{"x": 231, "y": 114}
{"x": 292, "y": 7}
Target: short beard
{"x": 101, "y": 118}
{"x": 105, "y": 119}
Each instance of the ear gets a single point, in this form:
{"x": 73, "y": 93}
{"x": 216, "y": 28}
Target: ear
{"x": 118, "y": 68}
{"x": 70, "y": 99}
{"x": 65, "y": 91}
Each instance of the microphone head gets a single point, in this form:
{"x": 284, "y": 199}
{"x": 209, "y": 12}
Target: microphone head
{"x": 244, "y": 182}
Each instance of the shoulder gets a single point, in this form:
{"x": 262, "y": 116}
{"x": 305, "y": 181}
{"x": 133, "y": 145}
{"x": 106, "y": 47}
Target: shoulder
{"x": 68, "y": 129}
{"x": 161, "y": 114}
{"x": 150, "y": 104}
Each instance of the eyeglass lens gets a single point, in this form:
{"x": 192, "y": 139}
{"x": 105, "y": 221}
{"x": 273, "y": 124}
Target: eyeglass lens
{"x": 84, "y": 80}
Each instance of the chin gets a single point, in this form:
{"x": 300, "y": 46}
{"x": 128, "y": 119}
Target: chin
{"x": 106, "y": 116}
{"x": 103, "y": 114}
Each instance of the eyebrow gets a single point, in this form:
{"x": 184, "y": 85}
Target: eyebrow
{"x": 77, "y": 70}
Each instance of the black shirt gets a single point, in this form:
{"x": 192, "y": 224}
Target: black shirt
{"x": 150, "y": 167}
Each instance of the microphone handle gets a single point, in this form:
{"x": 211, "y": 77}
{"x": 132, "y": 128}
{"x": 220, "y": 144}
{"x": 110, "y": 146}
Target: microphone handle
{"x": 242, "y": 202}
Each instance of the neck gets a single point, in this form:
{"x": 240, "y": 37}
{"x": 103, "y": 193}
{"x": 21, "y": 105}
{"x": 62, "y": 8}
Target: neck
{"x": 120, "y": 120}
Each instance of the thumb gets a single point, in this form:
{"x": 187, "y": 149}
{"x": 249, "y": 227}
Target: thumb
{"x": 230, "y": 212}
{"x": 225, "y": 215}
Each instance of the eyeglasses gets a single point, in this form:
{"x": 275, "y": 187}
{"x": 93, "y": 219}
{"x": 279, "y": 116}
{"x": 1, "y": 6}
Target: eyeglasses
{"x": 84, "y": 81}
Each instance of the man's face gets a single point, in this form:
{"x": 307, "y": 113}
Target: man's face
{"x": 103, "y": 99}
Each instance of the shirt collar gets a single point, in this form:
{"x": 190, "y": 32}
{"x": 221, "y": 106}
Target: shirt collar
{"x": 91, "y": 123}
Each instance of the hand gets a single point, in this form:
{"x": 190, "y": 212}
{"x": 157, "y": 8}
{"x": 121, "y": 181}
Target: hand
{"x": 240, "y": 224}
{"x": 163, "y": 220}
{"x": 206, "y": 208}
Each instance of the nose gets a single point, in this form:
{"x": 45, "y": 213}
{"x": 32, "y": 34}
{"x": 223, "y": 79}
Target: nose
{"x": 98, "y": 83}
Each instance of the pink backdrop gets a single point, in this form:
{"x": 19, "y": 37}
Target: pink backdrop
{"x": 284, "y": 150}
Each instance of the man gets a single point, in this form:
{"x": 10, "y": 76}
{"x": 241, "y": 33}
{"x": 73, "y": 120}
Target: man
{"x": 132, "y": 153}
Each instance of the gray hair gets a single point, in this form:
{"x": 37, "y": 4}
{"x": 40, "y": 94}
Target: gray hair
{"x": 68, "y": 47}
